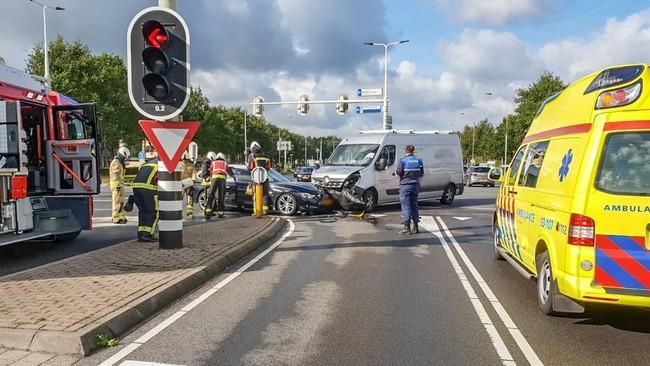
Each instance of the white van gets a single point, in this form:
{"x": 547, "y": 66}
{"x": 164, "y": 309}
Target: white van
{"x": 361, "y": 171}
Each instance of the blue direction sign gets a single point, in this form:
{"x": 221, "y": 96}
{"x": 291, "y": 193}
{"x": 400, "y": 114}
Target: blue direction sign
{"x": 369, "y": 109}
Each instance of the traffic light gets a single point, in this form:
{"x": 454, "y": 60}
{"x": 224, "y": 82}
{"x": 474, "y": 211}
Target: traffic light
{"x": 303, "y": 108}
{"x": 342, "y": 106}
{"x": 258, "y": 109}
{"x": 158, "y": 63}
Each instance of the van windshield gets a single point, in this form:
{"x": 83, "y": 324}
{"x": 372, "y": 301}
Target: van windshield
{"x": 625, "y": 164}
{"x": 353, "y": 155}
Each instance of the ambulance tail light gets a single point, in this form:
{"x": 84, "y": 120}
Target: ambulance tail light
{"x": 619, "y": 97}
{"x": 581, "y": 230}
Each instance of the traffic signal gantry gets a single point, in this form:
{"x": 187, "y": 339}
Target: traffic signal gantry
{"x": 158, "y": 63}
{"x": 342, "y": 104}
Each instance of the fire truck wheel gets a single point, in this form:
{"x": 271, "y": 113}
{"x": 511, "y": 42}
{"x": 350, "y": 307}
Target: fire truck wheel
{"x": 68, "y": 236}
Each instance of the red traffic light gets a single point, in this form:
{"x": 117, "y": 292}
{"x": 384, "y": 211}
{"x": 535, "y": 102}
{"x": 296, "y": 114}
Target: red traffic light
{"x": 155, "y": 34}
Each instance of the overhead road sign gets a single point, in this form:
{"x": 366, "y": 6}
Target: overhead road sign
{"x": 376, "y": 92}
{"x": 368, "y": 109}
{"x": 169, "y": 139}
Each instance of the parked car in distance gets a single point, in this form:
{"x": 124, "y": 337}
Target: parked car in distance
{"x": 478, "y": 175}
{"x": 287, "y": 197}
{"x": 303, "y": 173}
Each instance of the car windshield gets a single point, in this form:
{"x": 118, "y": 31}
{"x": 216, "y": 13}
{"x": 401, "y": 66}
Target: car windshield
{"x": 625, "y": 167}
{"x": 353, "y": 155}
{"x": 241, "y": 175}
{"x": 274, "y": 176}
{"x": 482, "y": 169}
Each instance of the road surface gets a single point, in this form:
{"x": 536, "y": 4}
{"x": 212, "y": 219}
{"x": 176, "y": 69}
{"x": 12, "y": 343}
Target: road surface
{"x": 342, "y": 291}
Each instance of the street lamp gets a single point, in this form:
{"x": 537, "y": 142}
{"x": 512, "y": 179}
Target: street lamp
{"x": 47, "y": 61}
{"x": 473, "y": 132}
{"x": 387, "y": 125}
{"x": 505, "y": 148}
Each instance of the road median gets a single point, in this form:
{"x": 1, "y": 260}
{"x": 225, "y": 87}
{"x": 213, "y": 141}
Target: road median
{"x": 63, "y": 307}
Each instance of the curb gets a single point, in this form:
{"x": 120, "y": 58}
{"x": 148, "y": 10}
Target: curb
{"x": 82, "y": 342}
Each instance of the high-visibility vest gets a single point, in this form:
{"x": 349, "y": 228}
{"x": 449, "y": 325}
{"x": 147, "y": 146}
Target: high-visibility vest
{"x": 147, "y": 177}
{"x": 219, "y": 169}
{"x": 261, "y": 161}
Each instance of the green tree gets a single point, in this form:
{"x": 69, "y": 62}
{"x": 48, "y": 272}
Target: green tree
{"x": 85, "y": 77}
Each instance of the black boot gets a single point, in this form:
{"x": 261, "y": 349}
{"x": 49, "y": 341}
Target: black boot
{"x": 416, "y": 229}
{"x": 147, "y": 238}
{"x": 406, "y": 230}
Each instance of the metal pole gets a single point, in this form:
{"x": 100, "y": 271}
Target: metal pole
{"x": 305, "y": 150}
{"x": 505, "y": 149}
{"x": 386, "y": 126}
{"x": 320, "y": 152}
{"x": 473, "y": 138}
{"x": 245, "y": 140}
{"x": 46, "y": 73}
{"x": 170, "y": 193}
{"x": 285, "y": 159}
{"x": 279, "y": 156}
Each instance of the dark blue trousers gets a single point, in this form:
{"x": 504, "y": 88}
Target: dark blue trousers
{"x": 408, "y": 197}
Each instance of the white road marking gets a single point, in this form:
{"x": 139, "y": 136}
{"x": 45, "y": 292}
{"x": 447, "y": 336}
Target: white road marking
{"x": 177, "y": 315}
{"x": 429, "y": 224}
{"x": 144, "y": 363}
{"x": 519, "y": 338}
{"x": 462, "y": 218}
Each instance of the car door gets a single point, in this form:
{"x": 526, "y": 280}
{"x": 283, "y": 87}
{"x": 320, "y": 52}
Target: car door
{"x": 508, "y": 228}
{"x": 385, "y": 182}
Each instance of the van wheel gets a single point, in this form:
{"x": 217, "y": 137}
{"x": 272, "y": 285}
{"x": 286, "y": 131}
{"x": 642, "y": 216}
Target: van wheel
{"x": 497, "y": 254}
{"x": 370, "y": 198}
{"x": 448, "y": 195}
{"x": 546, "y": 287}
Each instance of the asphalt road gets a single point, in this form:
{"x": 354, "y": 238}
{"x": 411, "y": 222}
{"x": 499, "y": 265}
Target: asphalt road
{"x": 342, "y": 291}
{"x": 22, "y": 256}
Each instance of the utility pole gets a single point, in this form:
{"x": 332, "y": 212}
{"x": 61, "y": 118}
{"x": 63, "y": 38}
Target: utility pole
{"x": 305, "y": 150}
{"x": 245, "y": 140}
{"x": 278, "y": 146}
{"x": 320, "y": 152}
{"x": 46, "y": 57}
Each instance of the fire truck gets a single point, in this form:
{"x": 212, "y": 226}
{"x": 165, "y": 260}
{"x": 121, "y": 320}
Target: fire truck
{"x": 48, "y": 161}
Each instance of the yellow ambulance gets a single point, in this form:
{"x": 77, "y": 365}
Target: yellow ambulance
{"x": 573, "y": 209}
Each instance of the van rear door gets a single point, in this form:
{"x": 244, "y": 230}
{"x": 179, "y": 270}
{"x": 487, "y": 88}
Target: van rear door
{"x": 619, "y": 210}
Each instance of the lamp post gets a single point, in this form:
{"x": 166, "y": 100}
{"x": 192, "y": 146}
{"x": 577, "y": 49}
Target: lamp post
{"x": 387, "y": 124}
{"x": 505, "y": 148}
{"x": 305, "y": 150}
{"x": 46, "y": 73}
{"x": 473, "y": 132}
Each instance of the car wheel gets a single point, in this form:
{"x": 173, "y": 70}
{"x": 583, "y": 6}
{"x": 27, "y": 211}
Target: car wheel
{"x": 370, "y": 198}
{"x": 202, "y": 199}
{"x": 287, "y": 204}
{"x": 448, "y": 195}
{"x": 545, "y": 285}
{"x": 495, "y": 242}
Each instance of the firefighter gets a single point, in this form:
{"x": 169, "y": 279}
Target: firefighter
{"x": 145, "y": 192}
{"x": 219, "y": 171}
{"x": 187, "y": 179}
{"x": 257, "y": 159}
{"x": 204, "y": 174}
{"x": 116, "y": 179}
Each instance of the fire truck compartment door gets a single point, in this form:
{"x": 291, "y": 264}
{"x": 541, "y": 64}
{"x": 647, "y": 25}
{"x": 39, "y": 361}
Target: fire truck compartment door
{"x": 72, "y": 167}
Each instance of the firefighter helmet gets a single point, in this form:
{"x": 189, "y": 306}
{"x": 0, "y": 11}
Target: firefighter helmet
{"x": 255, "y": 147}
{"x": 221, "y": 156}
{"x": 211, "y": 156}
{"x": 124, "y": 152}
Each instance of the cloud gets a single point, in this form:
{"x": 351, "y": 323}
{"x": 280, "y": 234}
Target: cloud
{"x": 493, "y": 12}
{"x": 620, "y": 41}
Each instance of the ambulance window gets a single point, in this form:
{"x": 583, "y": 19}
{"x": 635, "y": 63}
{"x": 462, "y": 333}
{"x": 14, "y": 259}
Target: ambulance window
{"x": 532, "y": 165}
{"x": 514, "y": 167}
{"x": 624, "y": 166}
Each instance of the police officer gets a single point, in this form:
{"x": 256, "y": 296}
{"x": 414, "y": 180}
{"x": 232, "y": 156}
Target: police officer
{"x": 257, "y": 159}
{"x": 187, "y": 179}
{"x": 409, "y": 170}
{"x": 145, "y": 192}
{"x": 117, "y": 170}
{"x": 219, "y": 171}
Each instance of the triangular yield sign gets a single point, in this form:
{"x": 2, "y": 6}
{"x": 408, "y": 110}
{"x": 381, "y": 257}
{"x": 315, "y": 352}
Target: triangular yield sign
{"x": 170, "y": 139}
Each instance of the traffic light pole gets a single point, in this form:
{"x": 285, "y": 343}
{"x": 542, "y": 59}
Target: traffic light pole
{"x": 350, "y": 101}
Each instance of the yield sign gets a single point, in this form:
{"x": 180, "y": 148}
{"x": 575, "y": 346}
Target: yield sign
{"x": 170, "y": 139}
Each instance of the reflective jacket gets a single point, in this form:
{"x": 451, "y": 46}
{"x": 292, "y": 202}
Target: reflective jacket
{"x": 147, "y": 177}
{"x": 116, "y": 172}
{"x": 258, "y": 160}
{"x": 188, "y": 170}
{"x": 219, "y": 169}
{"x": 409, "y": 169}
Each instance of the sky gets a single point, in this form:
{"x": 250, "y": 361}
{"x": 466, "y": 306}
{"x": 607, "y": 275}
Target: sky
{"x": 280, "y": 49}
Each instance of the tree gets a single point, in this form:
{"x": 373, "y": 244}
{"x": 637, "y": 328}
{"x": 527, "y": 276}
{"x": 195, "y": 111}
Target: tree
{"x": 86, "y": 77}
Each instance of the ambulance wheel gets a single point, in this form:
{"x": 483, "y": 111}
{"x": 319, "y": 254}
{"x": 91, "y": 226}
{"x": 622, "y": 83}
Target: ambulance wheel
{"x": 546, "y": 287}
{"x": 448, "y": 195}
{"x": 68, "y": 236}
{"x": 370, "y": 198}
{"x": 497, "y": 253}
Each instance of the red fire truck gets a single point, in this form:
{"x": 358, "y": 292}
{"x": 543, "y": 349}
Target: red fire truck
{"x": 48, "y": 161}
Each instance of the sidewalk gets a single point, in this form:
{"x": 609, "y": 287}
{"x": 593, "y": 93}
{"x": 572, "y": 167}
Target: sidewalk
{"x": 60, "y": 308}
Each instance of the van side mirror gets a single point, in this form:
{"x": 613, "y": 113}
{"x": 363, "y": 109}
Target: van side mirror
{"x": 495, "y": 174}
{"x": 380, "y": 164}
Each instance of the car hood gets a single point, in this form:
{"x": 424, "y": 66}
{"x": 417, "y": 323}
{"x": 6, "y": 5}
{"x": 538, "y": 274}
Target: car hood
{"x": 296, "y": 187}
{"x": 335, "y": 172}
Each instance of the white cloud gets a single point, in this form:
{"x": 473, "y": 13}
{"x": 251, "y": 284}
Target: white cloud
{"x": 493, "y": 12}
